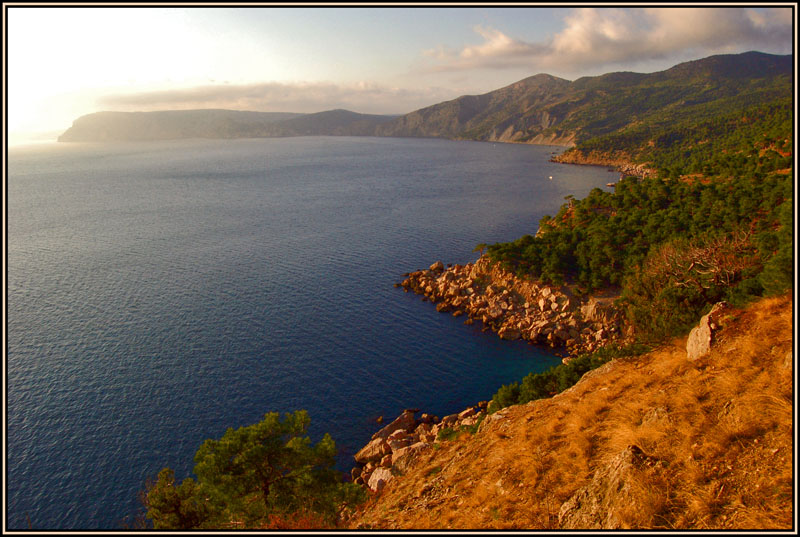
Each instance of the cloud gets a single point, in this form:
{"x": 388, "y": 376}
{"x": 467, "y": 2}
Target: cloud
{"x": 364, "y": 97}
{"x": 594, "y": 37}
{"x": 497, "y": 51}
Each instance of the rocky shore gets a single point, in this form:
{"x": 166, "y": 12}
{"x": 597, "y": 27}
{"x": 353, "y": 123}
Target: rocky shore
{"x": 595, "y": 158}
{"x": 394, "y": 448}
{"x": 517, "y": 309}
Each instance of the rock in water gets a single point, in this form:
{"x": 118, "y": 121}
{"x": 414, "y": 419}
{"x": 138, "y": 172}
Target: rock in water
{"x": 405, "y": 421}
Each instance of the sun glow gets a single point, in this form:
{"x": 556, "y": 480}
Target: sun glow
{"x": 62, "y": 59}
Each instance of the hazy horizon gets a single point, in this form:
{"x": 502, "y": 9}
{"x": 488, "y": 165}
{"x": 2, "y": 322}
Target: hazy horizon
{"x": 371, "y": 60}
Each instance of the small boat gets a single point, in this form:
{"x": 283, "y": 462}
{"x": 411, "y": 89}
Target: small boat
{"x": 551, "y": 177}
{"x": 612, "y": 185}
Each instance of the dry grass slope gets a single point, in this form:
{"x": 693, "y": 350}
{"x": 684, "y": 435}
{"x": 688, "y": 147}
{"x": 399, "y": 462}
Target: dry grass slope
{"x": 718, "y": 433}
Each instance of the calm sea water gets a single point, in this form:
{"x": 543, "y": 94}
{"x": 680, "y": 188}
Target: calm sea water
{"x": 159, "y": 293}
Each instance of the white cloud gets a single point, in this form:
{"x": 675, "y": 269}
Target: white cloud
{"x": 594, "y": 37}
{"x": 363, "y": 96}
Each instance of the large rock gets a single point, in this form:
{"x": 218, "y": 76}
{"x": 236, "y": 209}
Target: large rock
{"x": 509, "y": 332}
{"x": 405, "y": 421}
{"x": 379, "y": 478}
{"x": 399, "y": 439}
{"x": 403, "y": 459}
{"x": 701, "y": 337}
{"x": 373, "y": 451}
{"x": 466, "y": 413}
{"x": 437, "y": 267}
{"x": 615, "y": 490}
{"x": 449, "y": 421}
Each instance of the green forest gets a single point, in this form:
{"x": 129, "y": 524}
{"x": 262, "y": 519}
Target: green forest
{"x": 267, "y": 475}
{"x": 714, "y": 223}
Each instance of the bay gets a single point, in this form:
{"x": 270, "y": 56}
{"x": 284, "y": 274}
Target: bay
{"x": 161, "y": 292}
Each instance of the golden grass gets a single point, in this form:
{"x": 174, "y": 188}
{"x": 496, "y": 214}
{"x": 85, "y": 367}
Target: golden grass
{"x": 721, "y": 429}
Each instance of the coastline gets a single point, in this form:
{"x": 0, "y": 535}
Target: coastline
{"x": 514, "y": 308}
{"x": 620, "y": 162}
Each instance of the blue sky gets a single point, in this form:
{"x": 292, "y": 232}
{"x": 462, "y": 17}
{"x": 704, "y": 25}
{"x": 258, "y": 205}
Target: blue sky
{"x": 66, "y": 62}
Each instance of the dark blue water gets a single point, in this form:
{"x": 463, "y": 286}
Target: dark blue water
{"x": 159, "y": 293}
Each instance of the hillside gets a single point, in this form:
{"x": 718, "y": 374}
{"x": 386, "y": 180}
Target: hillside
{"x": 622, "y": 110}
{"x": 652, "y": 441}
{"x": 546, "y": 109}
{"x": 169, "y": 124}
{"x": 516, "y": 113}
{"x": 176, "y": 124}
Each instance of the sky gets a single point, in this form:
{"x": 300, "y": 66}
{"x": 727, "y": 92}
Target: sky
{"x": 64, "y": 62}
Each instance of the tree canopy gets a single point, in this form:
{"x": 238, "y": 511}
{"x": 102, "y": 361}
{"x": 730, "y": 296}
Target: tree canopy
{"x": 252, "y": 473}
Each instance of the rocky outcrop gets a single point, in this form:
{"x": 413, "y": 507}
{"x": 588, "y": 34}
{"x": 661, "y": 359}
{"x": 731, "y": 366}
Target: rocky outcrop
{"x": 619, "y": 162}
{"x": 395, "y": 448}
{"x": 614, "y": 491}
{"x": 702, "y": 336}
{"x": 516, "y": 308}
{"x": 379, "y": 478}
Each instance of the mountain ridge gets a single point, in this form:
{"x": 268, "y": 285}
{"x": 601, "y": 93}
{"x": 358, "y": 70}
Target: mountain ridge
{"x": 540, "y": 109}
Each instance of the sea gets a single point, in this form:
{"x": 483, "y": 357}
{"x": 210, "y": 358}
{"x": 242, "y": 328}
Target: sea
{"x": 159, "y": 293}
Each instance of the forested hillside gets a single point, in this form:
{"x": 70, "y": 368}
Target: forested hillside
{"x": 712, "y": 221}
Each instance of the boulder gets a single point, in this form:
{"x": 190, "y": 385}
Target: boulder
{"x": 467, "y": 413}
{"x": 701, "y": 337}
{"x": 423, "y": 428}
{"x": 509, "y": 332}
{"x": 373, "y": 451}
{"x": 405, "y": 421}
{"x": 437, "y": 267}
{"x": 399, "y": 434}
{"x": 449, "y": 421}
{"x": 400, "y": 443}
{"x": 379, "y": 478}
{"x": 403, "y": 459}
{"x": 469, "y": 422}
{"x": 493, "y": 312}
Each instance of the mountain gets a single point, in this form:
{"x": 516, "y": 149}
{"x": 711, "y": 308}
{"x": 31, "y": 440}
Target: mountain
{"x": 540, "y": 109}
{"x": 516, "y": 113}
{"x": 169, "y": 124}
{"x": 546, "y": 109}
{"x": 174, "y": 124}
{"x": 333, "y": 123}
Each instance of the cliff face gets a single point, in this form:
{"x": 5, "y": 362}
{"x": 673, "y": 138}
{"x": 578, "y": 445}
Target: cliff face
{"x": 654, "y": 441}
